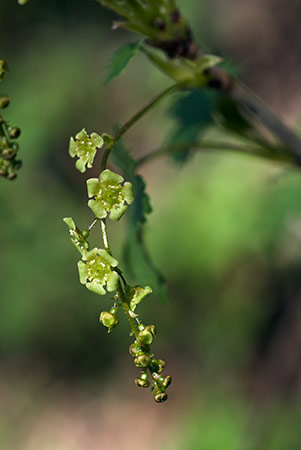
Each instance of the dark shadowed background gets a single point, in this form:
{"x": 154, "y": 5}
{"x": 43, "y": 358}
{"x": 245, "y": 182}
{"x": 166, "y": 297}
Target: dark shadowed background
{"x": 231, "y": 332}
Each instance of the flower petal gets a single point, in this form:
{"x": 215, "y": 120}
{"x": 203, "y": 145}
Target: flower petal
{"x": 81, "y": 165}
{"x": 72, "y": 147}
{"x": 117, "y": 213}
{"x": 82, "y": 134}
{"x": 82, "y": 270}
{"x": 112, "y": 281}
{"x": 97, "y": 140}
{"x": 128, "y": 192}
{"x": 107, "y": 257}
{"x": 108, "y": 175}
{"x": 95, "y": 287}
{"x": 97, "y": 208}
{"x": 93, "y": 187}
{"x": 69, "y": 222}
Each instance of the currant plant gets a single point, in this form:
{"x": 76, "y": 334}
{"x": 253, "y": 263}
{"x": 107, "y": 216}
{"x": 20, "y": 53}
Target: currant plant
{"x": 214, "y": 98}
{"x": 222, "y": 102}
{"x": 9, "y": 164}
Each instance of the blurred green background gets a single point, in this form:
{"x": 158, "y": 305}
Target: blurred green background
{"x": 231, "y": 332}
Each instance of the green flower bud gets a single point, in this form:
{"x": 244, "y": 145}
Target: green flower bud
{"x": 4, "y": 101}
{"x": 113, "y": 311}
{"x": 142, "y": 381}
{"x": 138, "y": 349}
{"x": 160, "y": 397}
{"x": 14, "y": 132}
{"x": 142, "y": 361}
{"x": 108, "y": 320}
{"x": 157, "y": 365}
{"x": 85, "y": 234}
{"x": 146, "y": 336}
{"x": 8, "y": 153}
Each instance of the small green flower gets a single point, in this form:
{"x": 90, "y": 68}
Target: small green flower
{"x": 95, "y": 271}
{"x": 109, "y": 320}
{"x": 108, "y": 196}
{"x": 85, "y": 148}
{"x": 136, "y": 294}
{"x": 78, "y": 237}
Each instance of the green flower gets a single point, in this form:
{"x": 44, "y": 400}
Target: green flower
{"x": 109, "y": 320}
{"x": 78, "y": 237}
{"x": 136, "y": 294}
{"x": 108, "y": 195}
{"x": 95, "y": 271}
{"x": 84, "y": 147}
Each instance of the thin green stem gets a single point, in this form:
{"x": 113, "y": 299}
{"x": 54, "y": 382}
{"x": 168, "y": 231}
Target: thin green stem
{"x": 133, "y": 120}
{"x": 104, "y": 235}
{"x": 126, "y": 309}
{"x": 120, "y": 291}
{"x": 208, "y": 145}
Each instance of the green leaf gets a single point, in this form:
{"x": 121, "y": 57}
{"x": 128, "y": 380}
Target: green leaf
{"x": 193, "y": 114}
{"x": 120, "y": 60}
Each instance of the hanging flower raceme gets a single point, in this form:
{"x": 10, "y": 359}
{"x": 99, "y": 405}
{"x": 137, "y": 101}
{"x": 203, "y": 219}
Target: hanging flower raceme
{"x": 109, "y": 195}
{"x": 85, "y": 148}
{"x": 95, "y": 271}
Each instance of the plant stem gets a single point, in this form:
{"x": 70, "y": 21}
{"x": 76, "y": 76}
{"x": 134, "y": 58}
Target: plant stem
{"x": 135, "y": 119}
{"x": 104, "y": 235}
{"x": 208, "y": 145}
{"x": 120, "y": 291}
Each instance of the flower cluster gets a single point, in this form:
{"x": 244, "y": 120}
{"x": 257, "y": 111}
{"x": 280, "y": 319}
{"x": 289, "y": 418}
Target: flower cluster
{"x": 140, "y": 350}
{"x": 9, "y": 165}
{"x": 85, "y": 148}
{"x": 109, "y": 195}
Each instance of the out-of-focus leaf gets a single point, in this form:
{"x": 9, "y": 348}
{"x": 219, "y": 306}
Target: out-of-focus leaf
{"x": 193, "y": 114}
{"x": 120, "y": 60}
{"x": 138, "y": 262}
{"x": 231, "y": 118}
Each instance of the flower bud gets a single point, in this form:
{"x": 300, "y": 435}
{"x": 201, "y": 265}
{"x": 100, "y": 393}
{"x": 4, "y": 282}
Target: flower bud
{"x": 108, "y": 320}
{"x": 160, "y": 397}
{"x": 14, "y": 132}
{"x": 12, "y": 176}
{"x": 85, "y": 234}
{"x": 8, "y": 153}
{"x": 157, "y": 365}
{"x": 135, "y": 349}
{"x": 142, "y": 381}
{"x": 4, "y": 101}
{"x": 147, "y": 335}
{"x": 142, "y": 361}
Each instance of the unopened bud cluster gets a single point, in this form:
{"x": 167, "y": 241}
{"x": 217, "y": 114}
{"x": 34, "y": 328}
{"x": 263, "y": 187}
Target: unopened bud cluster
{"x": 9, "y": 165}
{"x": 143, "y": 359}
